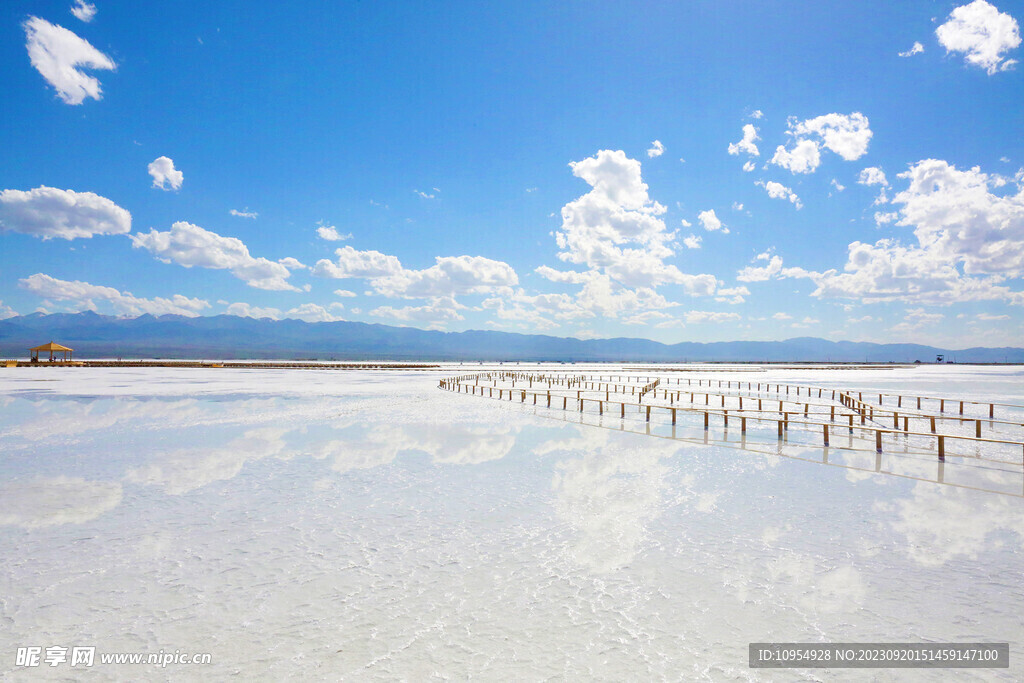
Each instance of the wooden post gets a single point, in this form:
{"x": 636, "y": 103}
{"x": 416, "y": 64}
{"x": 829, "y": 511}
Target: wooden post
{"x": 743, "y": 425}
{"x": 878, "y": 441}
{"x": 623, "y": 405}
{"x": 648, "y": 413}
{"x": 919, "y": 403}
{"x": 942, "y": 447}
{"x": 549, "y": 398}
{"x": 705, "y": 421}
{"x": 977, "y": 428}
{"x": 565, "y": 403}
{"x": 780, "y": 430}
{"x": 832, "y": 414}
{"x": 932, "y": 420}
{"x": 726, "y": 415}
{"x": 896, "y": 420}
{"x": 991, "y": 410}
{"x": 942, "y": 405}
{"x": 673, "y": 416}
{"x": 824, "y": 429}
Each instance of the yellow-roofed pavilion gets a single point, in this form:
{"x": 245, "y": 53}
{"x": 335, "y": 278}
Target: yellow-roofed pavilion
{"x": 53, "y": 348}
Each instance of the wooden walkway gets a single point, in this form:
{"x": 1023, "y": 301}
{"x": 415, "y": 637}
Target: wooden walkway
{"x": 940, "y": 426}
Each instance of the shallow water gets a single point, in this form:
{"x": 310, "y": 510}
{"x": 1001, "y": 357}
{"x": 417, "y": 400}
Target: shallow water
{"x": 366, "y": 525}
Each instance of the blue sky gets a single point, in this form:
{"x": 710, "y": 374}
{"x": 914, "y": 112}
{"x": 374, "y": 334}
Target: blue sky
{"x": 677, "y": 171}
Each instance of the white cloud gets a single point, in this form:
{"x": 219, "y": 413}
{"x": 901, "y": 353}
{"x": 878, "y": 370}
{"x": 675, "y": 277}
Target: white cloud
{"x": 361, "y": 264}
{"x": 872, "y": 175}
{"x": 696, "y": 317}
{"x": 344, "y": 293}
{"x": 245, "y": 213}
{"x": 989, "y": 316}
{"x": 243, "y": 310}
{"x": 190, "y": 245}
{"x": 804, "y": 157}
{"x": 747, "y": 143}
{"x": 165, "y": 176}
{"x": 47, "y": 212}
{"x": 711, "y": 222}
{"x": 59, "y": 55}
{"x": 883, "y": 218}
{"x": 656, "y": 150}
{"x": 84, "y": 296}
{"x": 312, "y": 313}
{"x": 956, "y": 215}
{"x": 693, "y": 241}
{"x": 435, "y": 314}
{"x": 330, "y": 233}
{"x": 736, "y": 206}
{"x": 847, "y": 136}
{"x": 685, "y": 223}
{"x": 779, "y": 191}
{"x": 774, "y": 269}
{"x": 645, "y": 317}
{"x": 917, "y": 49}
{"x": 615, "y": 228}
{"x": 449, "y": 276}
{"x": 6, "y": 311}
{"x": 732, "y": 295}
{"x": 425, "y": 195}
{"x": 982, "y": 33}
{"x": 84, "y": 11}
{"x": 756, "y": 114}
{"x": 749, "y": 166}
{"x": 292, "y": 263}
{"x": 835, "y": 184}
{"x": 781, "y": 316}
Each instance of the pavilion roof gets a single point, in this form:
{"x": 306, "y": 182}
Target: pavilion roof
{"x": 51, "y": 346}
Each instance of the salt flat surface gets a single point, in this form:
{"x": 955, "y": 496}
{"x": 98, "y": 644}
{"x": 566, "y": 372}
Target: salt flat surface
{"x": 365, "y": 525}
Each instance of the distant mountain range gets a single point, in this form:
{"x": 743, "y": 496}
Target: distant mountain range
{"x": 229, "y": 337}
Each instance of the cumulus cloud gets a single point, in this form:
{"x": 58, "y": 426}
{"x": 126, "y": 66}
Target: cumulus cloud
{"x": 361, "y": 264}
{"x": 331, "y": 234}
{"x": 732, "y": 295}
{"x": 693, "y": 241}
{"x": 916, "y": 49}
{"x": 84, "y": 297}
{"x": 982, "y": 33}
{"x": 711, "y": 222}
{"x": 835, "y": 183}
{"x": 449, "y": 276}
{"x": 83, "y": 11}
{"x": 656, "y": 150}
{"x": 846, "y": 135}
{"x": 190, "y": 245}
{"x": 312, "y": 313}
{"x": 872, "y": 175}
{"x": 749, "y": 166}
{"x": 805, "y": 157}
{"x": 344, "y": 293}
{"x": 747, "y": 143}
{"x": 615, "y": 228}
{"x": 244, "y": 310}
{"x": 165, "y": 176}
{"x": 6, "y": 311}
{"x": 773, "y": 270}
{"x": 435, "y": 315}
{"x": 245, "y": 213}
{"x": 59, "y": 55}
{"x": 779, "y": 191}
{"x": 47, "y": 212}
{"x": 292, "y": 263}
{"x": 756, "y": 114}
{"x": 696, "y": 317}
